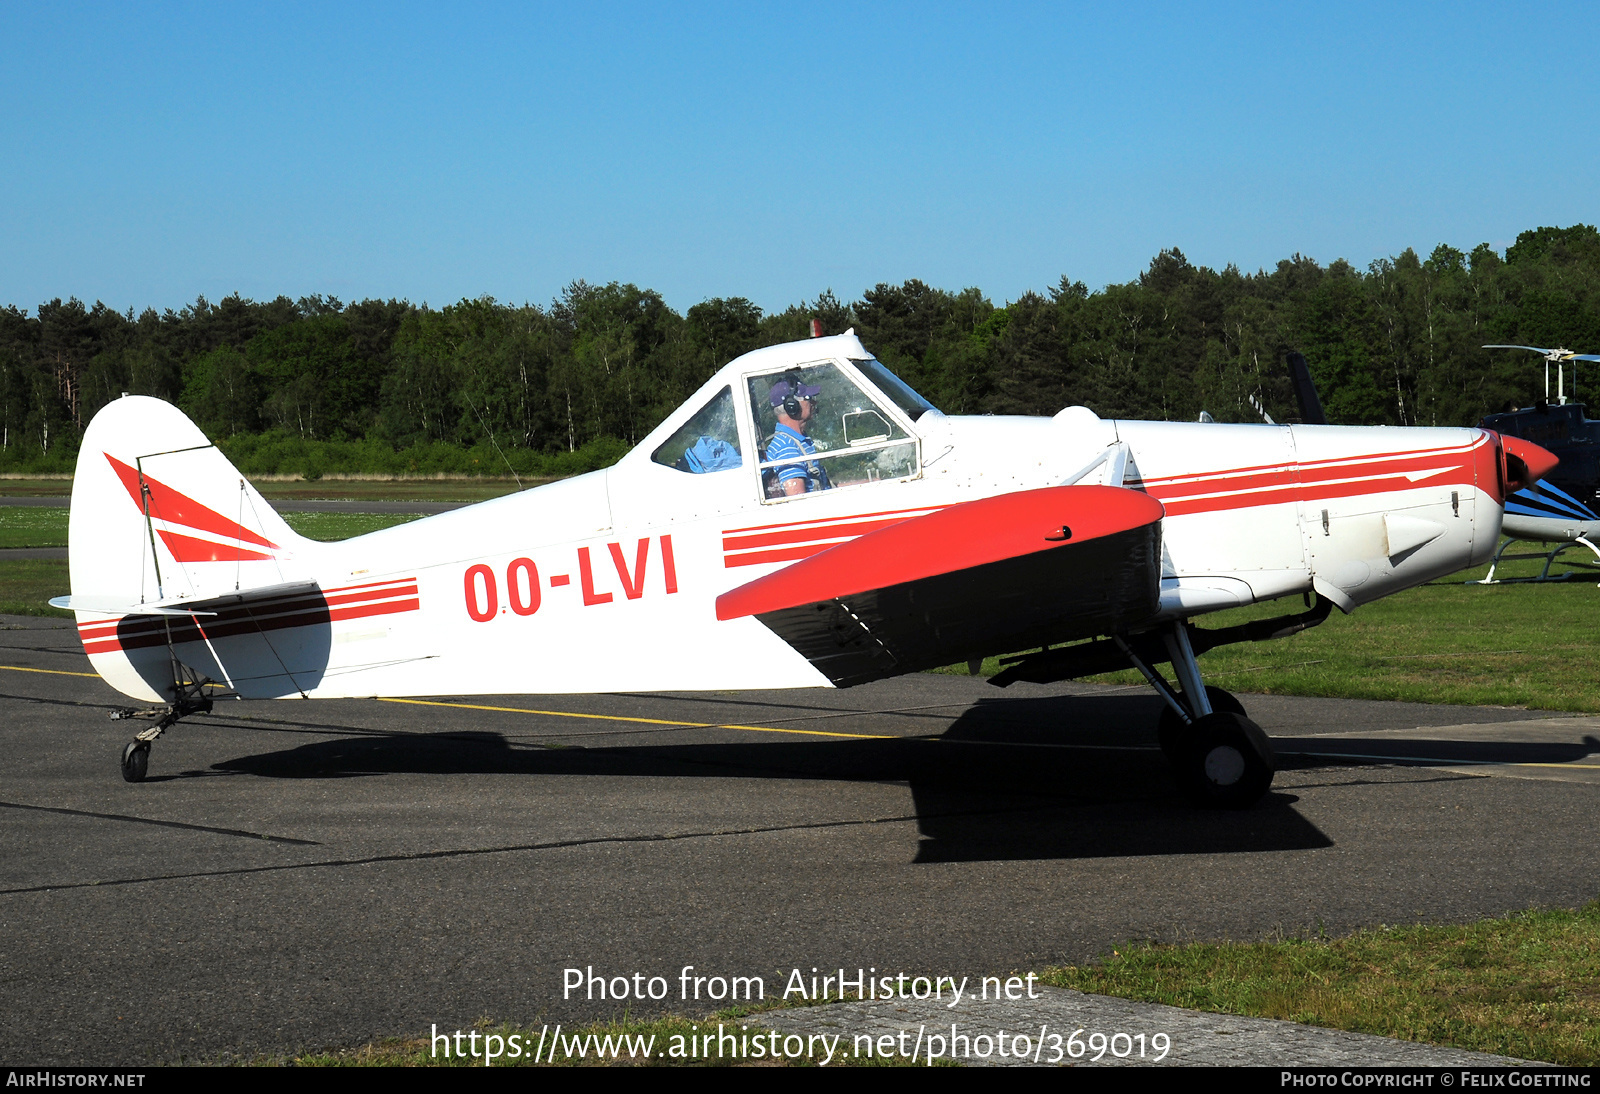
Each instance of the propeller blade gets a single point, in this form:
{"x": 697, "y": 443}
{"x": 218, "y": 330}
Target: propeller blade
{"x": 1305, "y": 392}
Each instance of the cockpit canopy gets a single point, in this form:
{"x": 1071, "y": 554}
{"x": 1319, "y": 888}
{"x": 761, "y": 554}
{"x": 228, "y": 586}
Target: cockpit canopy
{"x": 799, "y": 422}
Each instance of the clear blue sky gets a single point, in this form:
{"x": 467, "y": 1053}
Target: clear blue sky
{"x": 150, "y": 153}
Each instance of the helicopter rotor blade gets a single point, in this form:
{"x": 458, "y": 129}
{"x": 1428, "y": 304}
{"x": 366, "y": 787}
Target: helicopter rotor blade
{"x": 1554, "y": 354}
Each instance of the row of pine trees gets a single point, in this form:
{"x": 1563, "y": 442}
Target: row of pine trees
{"x": 1397, "y": 343}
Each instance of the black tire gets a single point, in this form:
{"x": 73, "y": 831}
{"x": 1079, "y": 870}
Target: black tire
{"x": 1170, "y": 732}
{"x": 136, "y": 761}
{"x": 1227, "y": 762}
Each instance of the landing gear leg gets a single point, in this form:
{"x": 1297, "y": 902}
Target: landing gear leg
{"x": 188, "y": 697}
{"x": 1221, "y": 758}
{"x": 1494, "y": 563}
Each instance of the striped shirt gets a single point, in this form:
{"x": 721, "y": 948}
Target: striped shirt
{"x": 786, "y": 444}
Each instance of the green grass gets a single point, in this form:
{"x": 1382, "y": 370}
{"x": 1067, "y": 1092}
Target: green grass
{"x": 329, "y": 527}
{"x": 26, "y": 526}
{"x": 1448, "y": 642}
{"x": 394, "y": 490}
{"x": 47, "y": 526}
{"x": 1504, "y": 645}
{"x": 59, "y": 487}
{"x": 1527, "y": 985}
{"x": 370, "y": 489}
{"x": 27, "y": 584}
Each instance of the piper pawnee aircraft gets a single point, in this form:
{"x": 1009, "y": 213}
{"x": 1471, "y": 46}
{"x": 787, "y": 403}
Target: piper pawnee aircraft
{"x": 806, "y": 519}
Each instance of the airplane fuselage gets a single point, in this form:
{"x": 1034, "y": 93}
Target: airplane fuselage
{"x": 607, "y": 581}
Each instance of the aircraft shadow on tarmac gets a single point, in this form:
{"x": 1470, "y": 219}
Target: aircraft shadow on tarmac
{"x": 1054, "y": 778}
{"x": 1299, "y": 752}
{"x": 1048, "y": 778}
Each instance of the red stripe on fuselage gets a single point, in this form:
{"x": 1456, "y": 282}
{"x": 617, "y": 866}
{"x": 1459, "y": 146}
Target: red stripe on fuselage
{"x": 818, "y": 522}
{"x": 802, "y": 539}
{"x": 781, "y": 554}
{"x": 1314, "y": 467}
{"x": 1203, "y": 492}
{"x": 278, "y": 613}
{"x": 843, "y": 530}
{"x": 1319, "y": 481}
{"x": 361, "y": 611}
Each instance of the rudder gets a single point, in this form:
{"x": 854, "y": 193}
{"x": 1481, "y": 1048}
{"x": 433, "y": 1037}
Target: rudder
{"x": 160, "y": 518}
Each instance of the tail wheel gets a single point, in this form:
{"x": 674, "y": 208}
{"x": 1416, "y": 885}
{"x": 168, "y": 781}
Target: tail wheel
{"x": 136, "y": 761}
{"x": 1226, "y": 761}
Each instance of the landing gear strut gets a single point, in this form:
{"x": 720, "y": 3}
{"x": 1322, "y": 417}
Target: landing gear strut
{"x": 188, "y": 697}
{"x": 1221, "y": 758}
{"x": 1548, "y": 556}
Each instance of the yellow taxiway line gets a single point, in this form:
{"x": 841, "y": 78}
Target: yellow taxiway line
{"x": 52, "y": 672}
{"x": 819, "y": 732}
{"x": 556, "y": 713}
{"x": 645, "y": 721}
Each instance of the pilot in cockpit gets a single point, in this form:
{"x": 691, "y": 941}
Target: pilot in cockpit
{"x": 794, "y": 403}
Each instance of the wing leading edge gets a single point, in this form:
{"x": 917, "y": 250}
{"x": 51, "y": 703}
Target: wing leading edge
{"x": 998, "y": 574}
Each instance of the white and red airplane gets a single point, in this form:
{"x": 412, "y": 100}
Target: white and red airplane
{"x": 806, "y": 519}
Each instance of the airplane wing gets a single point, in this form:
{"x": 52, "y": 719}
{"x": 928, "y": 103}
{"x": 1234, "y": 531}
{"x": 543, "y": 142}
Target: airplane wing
{"x": 1002, "y": 573}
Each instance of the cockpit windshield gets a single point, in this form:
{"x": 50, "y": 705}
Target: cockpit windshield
{"x": 902, "y": 394}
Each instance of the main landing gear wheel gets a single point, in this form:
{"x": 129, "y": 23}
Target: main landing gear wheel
{"x": 1225, "y": 761}
{"x": 1222, "y": 759}
{"x": 1170, "y": 730}
{"x": 136, "y": 761}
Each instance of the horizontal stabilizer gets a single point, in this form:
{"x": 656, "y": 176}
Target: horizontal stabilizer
{"x": 182, "y": 606}
{"x": 116, "y": 605}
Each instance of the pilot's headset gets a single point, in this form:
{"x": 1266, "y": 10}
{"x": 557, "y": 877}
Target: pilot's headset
{"x": 791, "y": 398}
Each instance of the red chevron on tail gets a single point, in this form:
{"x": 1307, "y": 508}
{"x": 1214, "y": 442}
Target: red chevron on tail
{"x": 175, "y": 508}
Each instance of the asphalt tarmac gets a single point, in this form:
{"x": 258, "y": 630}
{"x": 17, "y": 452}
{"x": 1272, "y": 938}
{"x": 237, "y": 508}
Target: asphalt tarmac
{"x": 296, "y": 876}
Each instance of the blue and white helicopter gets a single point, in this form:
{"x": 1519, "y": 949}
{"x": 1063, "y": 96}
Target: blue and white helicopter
{"x": 1560, "y": 509}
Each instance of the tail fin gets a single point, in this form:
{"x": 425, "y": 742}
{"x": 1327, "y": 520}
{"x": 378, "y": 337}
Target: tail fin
{"x": 159, "y": 514}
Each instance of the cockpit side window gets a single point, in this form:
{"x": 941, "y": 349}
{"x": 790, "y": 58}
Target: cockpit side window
{"x": 707, "y": 442}
{"x": 818, "y": 429}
